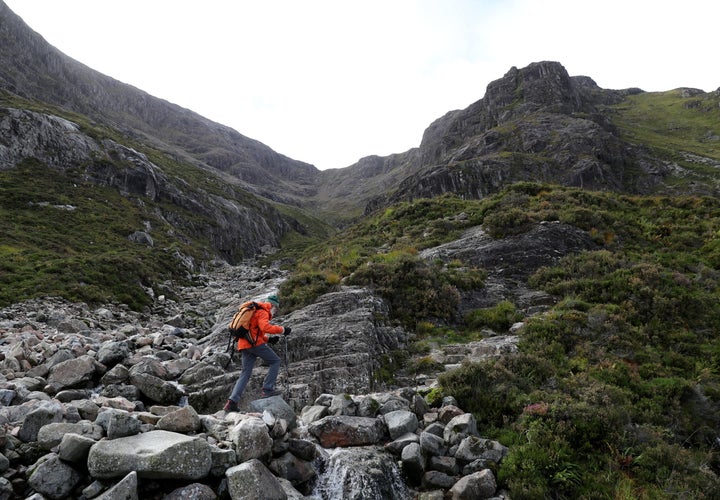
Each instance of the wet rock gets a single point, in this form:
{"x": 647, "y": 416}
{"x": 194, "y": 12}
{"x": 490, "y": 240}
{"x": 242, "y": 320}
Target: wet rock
{"x": 361, "y": 473}
{"x": 337, "y": 431}
{"x": 292, "y": 468}
{"x": 413, "y": 462}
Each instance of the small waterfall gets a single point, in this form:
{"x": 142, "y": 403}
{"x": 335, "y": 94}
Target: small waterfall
{"x": 359, "y": 473}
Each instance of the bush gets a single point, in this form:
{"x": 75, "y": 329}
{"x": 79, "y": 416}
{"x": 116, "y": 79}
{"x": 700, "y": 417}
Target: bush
{"x": 303, "y": 288}
{"x": 413, "y": 288}
{"x": 498, "y": 318}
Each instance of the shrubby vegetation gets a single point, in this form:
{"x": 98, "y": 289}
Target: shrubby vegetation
{"x": 615, "y": 392}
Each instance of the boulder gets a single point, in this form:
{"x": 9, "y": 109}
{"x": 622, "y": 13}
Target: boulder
{"x": 252, "y": 480}
{"x": 121, "y": 424}
{"x": 184, "y": 420}
{"x": 310, "y": 414}
{"x": 54, "y": 478}
{"x": 125, "y": 489}
{"x": 72, "y": 373}
{"x": 112, "y": 353}
{"x": 400, "y": 422}
{"x": 195, "y": 491}
{"x": 341, "y": 430}
{"x": 432, "y": 445}
{"x": 474, "y": 448}
{"x": 43, "y": 413}
{"x": 460, "y": 427}
{"x": 251, "y": 439}
{"x": 155, "y": 454}
{"x": 474, "y": 487}
{"x": 51, "y": 434}
{"x": 396, "y": 447}
{"x": 277, "y": 406}
{"x": 413, "y": 462}
{"x": 156, "y": 389}
{"x": 74, "y": 448}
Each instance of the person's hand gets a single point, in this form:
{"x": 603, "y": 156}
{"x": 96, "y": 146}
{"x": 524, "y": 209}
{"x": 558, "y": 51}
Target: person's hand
{"x": 286, "y": 330}
{"x": 273, "y": 339}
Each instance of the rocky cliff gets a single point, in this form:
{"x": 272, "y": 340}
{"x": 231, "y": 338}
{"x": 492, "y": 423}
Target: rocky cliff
{"x": 534, "y": 123}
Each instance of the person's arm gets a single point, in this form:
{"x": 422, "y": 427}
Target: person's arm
{"x": 265, "y": 326}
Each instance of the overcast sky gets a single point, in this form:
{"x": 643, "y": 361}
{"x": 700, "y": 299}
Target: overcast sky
{"x": 330, "y": 81}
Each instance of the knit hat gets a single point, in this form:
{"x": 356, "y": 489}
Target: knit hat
{"x": 274, "y": 300}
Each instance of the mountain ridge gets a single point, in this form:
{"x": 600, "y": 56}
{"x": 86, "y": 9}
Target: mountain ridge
{"x": 208, "y": 192}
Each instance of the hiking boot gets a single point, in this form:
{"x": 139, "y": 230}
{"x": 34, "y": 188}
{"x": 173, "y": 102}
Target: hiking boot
{"x": 230, "y": 406}
{"x": 268, "y": 394}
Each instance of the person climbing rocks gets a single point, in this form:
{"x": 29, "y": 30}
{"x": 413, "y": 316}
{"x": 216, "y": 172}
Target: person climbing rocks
{"x": 262, "y": 331}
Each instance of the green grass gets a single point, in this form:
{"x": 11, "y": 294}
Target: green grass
{"x": 669, "y": 121}
{"x": 674, "y": 127}
{"x": 67, "y": 238}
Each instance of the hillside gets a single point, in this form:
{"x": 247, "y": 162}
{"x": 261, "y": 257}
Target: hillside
{"x": 614, "y": 389}
{"x": 582, "y": 222}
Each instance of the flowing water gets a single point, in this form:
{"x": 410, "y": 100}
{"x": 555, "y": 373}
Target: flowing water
{"x": 359, "y": 473}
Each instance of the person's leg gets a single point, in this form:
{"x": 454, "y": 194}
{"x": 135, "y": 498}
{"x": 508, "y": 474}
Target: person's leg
{"x": 273, "y": 360}
{"x": 248, "y": 363}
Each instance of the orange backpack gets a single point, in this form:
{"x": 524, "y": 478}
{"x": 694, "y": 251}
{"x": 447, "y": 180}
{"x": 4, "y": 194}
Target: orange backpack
{"x": 239, "y": 326}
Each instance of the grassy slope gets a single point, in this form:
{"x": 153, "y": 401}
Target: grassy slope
{"x": 616, "y": 390}
{"x": 66, "y": 237}
{"x": 685, "y": 130}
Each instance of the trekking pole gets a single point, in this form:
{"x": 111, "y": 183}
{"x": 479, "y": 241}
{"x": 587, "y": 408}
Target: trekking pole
{"x": 287, "y": 372}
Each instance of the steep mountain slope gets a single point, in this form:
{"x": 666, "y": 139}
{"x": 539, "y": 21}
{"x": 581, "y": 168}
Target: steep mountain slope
{"x": 75, "y": 146}
{"x": 538, "y": 123}
{"x": 33, "y": 69}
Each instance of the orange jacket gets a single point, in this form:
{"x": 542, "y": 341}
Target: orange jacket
{"x": 260, "y": 326}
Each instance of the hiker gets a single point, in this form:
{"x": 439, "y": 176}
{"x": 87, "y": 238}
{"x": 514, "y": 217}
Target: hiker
{"x": 260, "y": 327}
